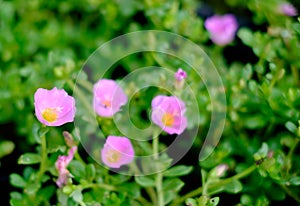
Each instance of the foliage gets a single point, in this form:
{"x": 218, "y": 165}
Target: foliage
{"x": 44, "y": 44}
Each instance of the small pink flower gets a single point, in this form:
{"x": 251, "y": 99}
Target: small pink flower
{"x": 222, "y": 29}
{"x": 61, "y": 165}
{"x": 108, "y": 97}
{"x": 168, "y": 113}
{"x": 54, "y": 107}
{"x": 117, "y": 151}
{"x": 180, "y": 75}
{"x": 287, "y": 9}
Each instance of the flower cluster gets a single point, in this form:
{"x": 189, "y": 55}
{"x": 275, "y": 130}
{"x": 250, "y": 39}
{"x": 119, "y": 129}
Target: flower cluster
{"x": 55, "y": 107}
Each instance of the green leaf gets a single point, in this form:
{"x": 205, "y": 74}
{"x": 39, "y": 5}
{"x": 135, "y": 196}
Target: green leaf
{"x": 246, "y": 36}
{"x": 295, "y": 181}
{"x": 17, "y": 181}
{"x": 291, "y": 127}
{"x": 144, "y": 181}
{"x": 213, "y": 201}
{"x": 234, "y": 187}
{"x": 173, "y": 185}
{"x": 16, "y": 202}
{"x": 77, "y": 169}
{"x": 255, "y": 121}
{"x": 179, "y": 170}
{"x": 262, "y": 152}
{"x": 190, "y": 202}
{"x": 33, "y": 188}
{"x": 90, "y": 172}
{"x": 77, "y": 196}
{"x": 246, "y": 199}
{"x": 29, "y": 158}
{"x": 133, "y": 192}
{"x": 46, "y": 192}
{"x": 6, "y": 147}
{"x": 43, "y": 131}
{"x": 169, "y": 196}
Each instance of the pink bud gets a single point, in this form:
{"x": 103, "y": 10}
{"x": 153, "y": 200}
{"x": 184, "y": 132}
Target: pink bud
{"x": 61, "y": 165}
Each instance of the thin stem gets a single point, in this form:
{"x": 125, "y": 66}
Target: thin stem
{"x": 241, "y": 175}
{"x": 44, "y": 159}
{"x": 290, "y": 193}
{"x": 150, "y": 191}
{"x": 143, "y": 201}
{"x": 193, "y": 193}
{"x": 159, "y": 175}
{"x": 100, "y": 185}
{"x": 199, "y": 190}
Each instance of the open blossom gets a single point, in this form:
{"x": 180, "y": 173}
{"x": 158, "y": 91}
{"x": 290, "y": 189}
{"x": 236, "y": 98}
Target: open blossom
{"x": 117, "y": 151}
{"x": 108, "y": 97}
{"x": 61, "y": 166}
{"x": 287, "y": 9}
{"x": 54, "y": 107}
{"x": 168, "y": 113}
{"x": 222, "y": 29}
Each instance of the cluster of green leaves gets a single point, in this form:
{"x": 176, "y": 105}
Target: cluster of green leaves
{"x": 44, "y": 44}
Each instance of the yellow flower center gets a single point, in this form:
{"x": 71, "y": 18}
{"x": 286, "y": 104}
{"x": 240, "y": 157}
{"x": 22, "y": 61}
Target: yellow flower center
{"x": 113, "y": 156}
{"x": 106, "y": 103}
{"x": 168, "y": 119}
{"x": 50, "y": 114}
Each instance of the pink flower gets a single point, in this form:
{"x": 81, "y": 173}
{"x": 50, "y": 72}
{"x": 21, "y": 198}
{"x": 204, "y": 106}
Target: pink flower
{"x": 287, "y": 9}
{"x": 54, "y": 107}
{"x": 117, "y": 151}
{"x": 222, "y": 29}
{"x": 168, "y": 113}
{"x": 61, "y": 166}
{"x": 108, "y": 97}
{"x": 180, "y": 75}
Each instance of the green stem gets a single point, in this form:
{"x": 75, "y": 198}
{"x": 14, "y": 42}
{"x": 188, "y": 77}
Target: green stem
{"x": 159, "y": 175}
{"x": 43, "y": 165}
{"x": 143, "y": 201}
{"x": 100, "y": 185}
{"x": 241, "y": 175}
{"x": 290, "y": 193}
{"x": 150, "y": 191}
{"x": 199, "y": 190}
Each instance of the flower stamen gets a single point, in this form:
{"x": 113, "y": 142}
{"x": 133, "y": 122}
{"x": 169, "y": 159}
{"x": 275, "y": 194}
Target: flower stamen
{"x": 168, "y": 119}
{"x": 49, "y": 114}
{"x": 113, "y": 156}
